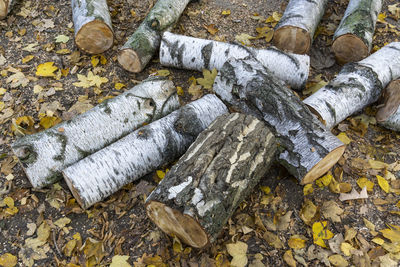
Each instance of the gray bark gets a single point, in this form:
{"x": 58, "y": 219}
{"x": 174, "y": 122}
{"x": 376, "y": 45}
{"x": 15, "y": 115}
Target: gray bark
{"x": 308, "y": 148}
{"x": 197, "y": 54}
{"x": 5, "y": 6}
{"x": 43, "y": 155}
{"x": 93, "y": 28}
{"x": 388, "y": 115}
{"x": 296, "y": 28}
{"x": 220, "y": 169}
{"x": 144, "y": 42}
{"x": 353, "y": 37}
{"x": 356, "y": 86}
{"x": 148, "y": 148}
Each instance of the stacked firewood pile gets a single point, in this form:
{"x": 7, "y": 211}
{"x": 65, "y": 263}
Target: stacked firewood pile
{"x": 222, "y": 155}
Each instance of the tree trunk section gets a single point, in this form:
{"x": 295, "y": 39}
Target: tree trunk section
{"x": 144, "y": 42}
{"x": 5, "y": 6}
{"x": 197, "y": 54}
{"x": 45, "y": 154}
{"x": 356, "y": 86}
{"x": 220, "y": 169}
{"x": 353, "y": 37}
{"x": 308, "y": 149}
{"x": 93, "y": 28}
{"x": 148, "y": 148}
{"x": 295, "y": 30}
{"x": 389, "y": 115}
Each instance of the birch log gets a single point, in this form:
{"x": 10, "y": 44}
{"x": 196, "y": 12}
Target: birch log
{"x": 5, "y": 6}
{"x": 45, "y": 154}
{"x": 93, "y": 28}
{"x": 353, "y": 37}
{"x": 145, "y": 41}
{"x": 356, "y": 86}
{"x": 220, "y": 169}
{"x": 308, "y": 148}
{"x": 197, "y": 54}
{"x": 389, "y": 114}
{"x": 148, "y": 148}
{"x": 296, "y": 28}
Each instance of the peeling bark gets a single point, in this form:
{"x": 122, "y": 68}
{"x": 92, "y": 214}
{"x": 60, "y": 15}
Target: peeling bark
{"x": 308, "y": 149}
{"x": 45, "y": 154}
{"x": 93, "y": 28}
{"x": 353, "y": 37}
{"x": 296, "y": 28}
{"x": 144, "y": 42}
{"x": 356, "y": 86}
{"x": 389, "y": 114}
{"x": 5, "y": 6}
{"x": 220, "y": 169}
{"x": 197, "y": 54}
{"x": 148, "y": 148}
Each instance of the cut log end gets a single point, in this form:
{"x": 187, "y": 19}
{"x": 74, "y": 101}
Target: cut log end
{"x": 292, "y": 39}
{"x": 349, "y": 48}
{"x": 324, "y": 165}
{"x": 391, "y": 101}
{"x": 74, "y": 191}
{"x": 94, "y": 37}
{"x": 129, "y": 60}
{"x": 3, "y": 8}
{"x": 173, "y": 222}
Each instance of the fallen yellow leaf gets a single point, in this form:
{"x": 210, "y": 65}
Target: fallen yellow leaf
{"x": 383, "y": 183}
{"x": 46, "y": 69}
{"x": 321, "y": 233}
{"x": 343, "y": 137}
{"x": 365, "y": 182}
{"x": 8, "y": 260}
{"x": 308, "y": 189}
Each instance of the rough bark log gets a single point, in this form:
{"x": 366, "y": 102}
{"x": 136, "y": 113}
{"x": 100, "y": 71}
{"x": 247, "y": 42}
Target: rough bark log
{"x": 389, "y": 114}
{"x": 93, "y": 28}
{"x": 197, "y": 54}
{"x": 200, "y": 193}
{"x": 295, "y": 30}
{"x": 144, "y": 42}
{"x": 353, "y": 37}
{"x": 5, "y": 6}
{"x": 148, "y": 148}
{"x": 308, "y": 148}
{"x": 356, "y": 86}
{"x": 45, "y": 154}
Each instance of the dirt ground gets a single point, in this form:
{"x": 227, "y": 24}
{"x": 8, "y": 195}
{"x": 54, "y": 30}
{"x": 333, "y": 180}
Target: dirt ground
{"x": 275, "y": 222}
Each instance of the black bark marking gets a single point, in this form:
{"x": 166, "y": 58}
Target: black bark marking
{"x": 206, "y": 54}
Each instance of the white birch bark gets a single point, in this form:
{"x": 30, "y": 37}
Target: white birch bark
{"x": 43, "y": 155}
{"x": 219, "y": 170}
{"x": 5, "y": 6}
{"x": 197, "y": 54}
{"x": 356, "y": 86}
{"x": 307, "y": 148}
{"x": 148, "y": 148}
{"x": 353, "y": 37}
{"x": 296, "y": 28}
{"x": 144, "y": 42}
{"x": 93, "y": 27}
{"x": 388, "y": 115}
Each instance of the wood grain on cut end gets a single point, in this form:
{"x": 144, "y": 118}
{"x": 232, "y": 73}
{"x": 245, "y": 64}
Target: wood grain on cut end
{"x": 129, "y": 60}
{"x": 94, "y": 37}
{"x": 324, "y": 165}
{"x": 391, "y": 101}
{"x": 292, "y": 39}
{"x": 349, "y": 48}
{"x": 3, "y": 8}
{"x": 175, "y": 223}
{"x": 74, "y": 191}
